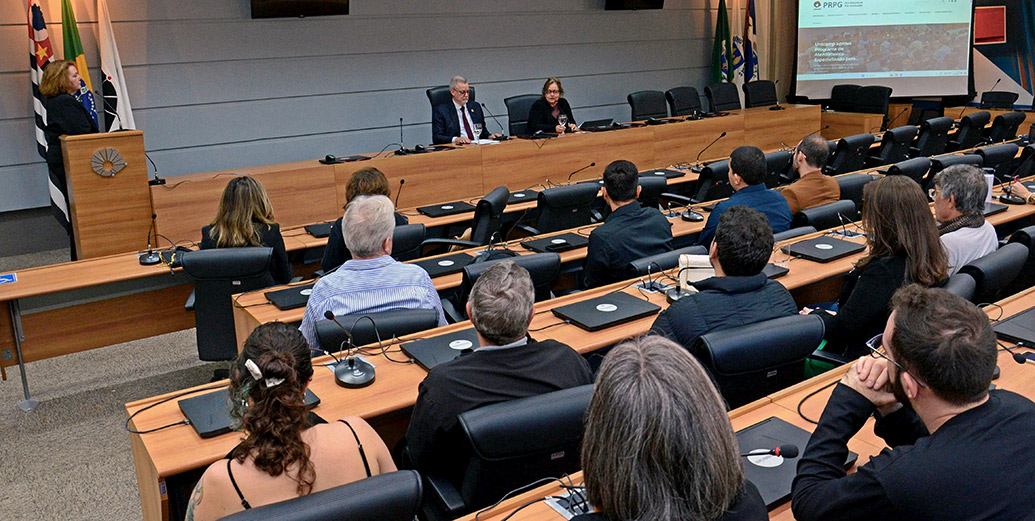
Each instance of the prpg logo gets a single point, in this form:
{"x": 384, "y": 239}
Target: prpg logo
{"x": 828, "y": 4}
{"x": 818, "y": 4}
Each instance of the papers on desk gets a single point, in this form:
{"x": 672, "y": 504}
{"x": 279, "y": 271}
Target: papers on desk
{"x": 485, "y": 142}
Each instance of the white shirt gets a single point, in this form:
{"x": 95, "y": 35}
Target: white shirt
{"x": 462, "y": 114}
{"x": 968, "y": 244}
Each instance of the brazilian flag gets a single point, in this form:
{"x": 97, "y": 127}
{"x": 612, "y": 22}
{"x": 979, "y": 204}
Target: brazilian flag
{"x": 74, "y": 53}
{"x": 722, "y": 51}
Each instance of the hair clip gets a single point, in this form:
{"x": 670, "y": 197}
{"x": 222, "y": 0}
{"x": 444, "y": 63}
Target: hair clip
{"x": 253, "y": 369}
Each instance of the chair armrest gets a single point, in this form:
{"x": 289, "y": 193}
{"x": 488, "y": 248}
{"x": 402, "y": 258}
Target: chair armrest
{"x": 296, "y": 279}
{"x": 318, "y": 273}
{"x": 189, "y": 305}
{"x": 682, "y": 199}
{"x": 828, "y": 357}
{"x": 443, "y": 496}
{"x": 914, "y": 152}
{"x": 453, "y": 315}
{"x": 450, "y": 242}
{"x": 528, "y": 229}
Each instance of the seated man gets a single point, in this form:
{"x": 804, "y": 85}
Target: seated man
{"x": 959, "y": 450}
{"x": 959, "y": 204}
{"x": 508, "y": 364}
{"x": 372, "y": 281}
{"x": 455, "y": 122}
{"x": 813, "y": 187}
{"x": 739, "y": 293}
{"x": 746, "y": 174}
{"x": 630, "y": 232}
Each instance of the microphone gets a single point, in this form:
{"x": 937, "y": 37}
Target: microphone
{"x": 401, "y": 142}
{"x": 994, "y": 85}
{"x": 157, "y": 180}
{"x": 399, "y": 191}
{"x": 1017, "y": 357}
{"x": 502, "y": 137}
{"x": 786, "y": 451}
{"x": 353, "y": 372}
{"x": 697, "y": 167}
{"x": 151, "y": 257}
{"x": 777, "y": 106}
{"x": 898, "y": 116}
{"x": 844, "y": 228}
{"x": 583, "y": 168}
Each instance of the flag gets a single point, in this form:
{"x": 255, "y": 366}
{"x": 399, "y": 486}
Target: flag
{"x": 74, "y": 53}
{"x": 750, "y": 43}
{"x": 722, "y": 51}
{"x": 118, "y": 114}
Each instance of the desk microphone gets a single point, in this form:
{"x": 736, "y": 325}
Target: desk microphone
{"x": 402, "y": 146}
{"x": 157, "y": 180}
{"x": 503, "y": 136}
{"x": 399, "y": 191}
{"x": 777, "y": 106}
{"x": 787, "y": 451}
{"x": 150, "y": 258}
{"x": 1017, "y": 357}
{"x": 579, "y": 170}
{"x": 965, "y": 107}
{"x": 697, "y": 167}
{"x": 898, "y": 116}
{"x": 352, "y": 372}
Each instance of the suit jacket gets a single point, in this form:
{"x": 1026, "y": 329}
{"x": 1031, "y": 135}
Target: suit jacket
{"x": 540, "y": 116}
{"x": 446, "y": 125}
{"x": 811, "y": 191}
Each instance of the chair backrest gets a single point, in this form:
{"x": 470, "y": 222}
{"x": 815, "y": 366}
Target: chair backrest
{"x": 1026, "y": 278}
{"x": 761, "y": 93}
{"x": 852, "y": 187}
{"x": 647, "y": 104}
{"x": 488, "y": 215}
{"x": 655, "y": 264}
{"x": 942, "y": 162}
{"x": 367, "y": 328}
{"x": 714, "y": 181}
{"x": 683, "y": 101}
{"x": 778, "y": 167}
{"x": 961, "y": 285}
{"x": 842, "y": 97}
{"x": 517, "y": 112}
{"x": 1004, "y": 127}
{"x": 563, "y": 207}
{"x": 916, "y": 169}
{"x": 995, "y": 271}
{"x": 971, "y": 130}
{"x": 934, "y": 133}
{"x": 998, "y": 99}
{"x": 218, "y": 274}
{"x": 516, "y": 442}
{"x": 439, "y": 95}
{"x": 651, "y": 188}
{"x": 792, "y": 233}
{"x": 826, "y": 216}
{"x": 543, "y": 268}
{"x": 894, "y": 146}
{"x": 722, "y": 97}
{"x": 1026, "y": 163}
{"x": 406, "y": 241}
{"x": 752, "y": 361}
{"x": 850, "y": 154}
{"x": 999, "y": 158}
{"x": 395, "y": 496}
{"x": 873, "y": 99}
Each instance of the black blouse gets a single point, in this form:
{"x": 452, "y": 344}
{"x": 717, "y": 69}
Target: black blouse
{"x": 540, "y": 116}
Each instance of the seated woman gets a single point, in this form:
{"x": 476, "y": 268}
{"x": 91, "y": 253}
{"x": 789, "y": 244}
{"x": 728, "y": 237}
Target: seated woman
{"x": 658, "y": 442}
{"x": 546, "y": 110}
{"x": 903, "y": 247}
{"x": 282, "y": 456}
{"x": 365, "y": 181}
{"x": 245, "y": 218}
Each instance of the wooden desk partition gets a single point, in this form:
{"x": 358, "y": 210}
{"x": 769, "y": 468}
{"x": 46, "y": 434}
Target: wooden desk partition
{"x": 843, "y": 124}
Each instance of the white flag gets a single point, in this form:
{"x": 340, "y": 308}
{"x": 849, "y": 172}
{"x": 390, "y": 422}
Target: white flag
{"x": 118, "y": 114}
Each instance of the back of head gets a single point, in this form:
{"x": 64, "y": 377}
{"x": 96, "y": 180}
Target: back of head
{"x": 749, "y": 163}
{"x": 898, "y": 220}
{"x": 367, "y": 181}
{"x": 267, "y": 389}
{"x": 967, "y": 184}
{"x": 744, "y": 241}
{"x": 368, "y": 222}
{"x": 243, "y": 206}
{"x": 816, "y": 151}
{"x": 945, "y": 341}
{"x": 658, "y": 443}
{"x": 620, "y": 180}
{"x": 501, "y": 303}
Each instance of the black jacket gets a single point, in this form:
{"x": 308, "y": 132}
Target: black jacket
{"x": 65, "y": 116}
{"x": 747, "y": 506}
{"x": 540, "y": 116}
{"x": 335, "y": 253}
{"x": 863, "y": 305}
{"x": 281, "y": 271}
{"x": 446, "y": 125}
{"x": 723, "y": 303}
{"x": 629, "y": 233}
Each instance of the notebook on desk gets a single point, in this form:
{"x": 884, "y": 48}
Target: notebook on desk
{"x": 993, "y": 208}
{"x": 823, "y": 249}
{"x": 606, "y": 311}
{"x": 596, "y": 125}
{"x": 319, "y": 230}
{"x": 290, "y": 298}
{"x": 440, "y": 349}
{"x": 445, "y": 265}
{"x": 773, "y": 271}
{"x": 442, "y": 210}
{"x": 1018, "y": 327}
{"x": 556, "y": 243}
{"x": 209, "y": 413}
{"x": 667, "y": 172}
{"x": 522, "y": 196}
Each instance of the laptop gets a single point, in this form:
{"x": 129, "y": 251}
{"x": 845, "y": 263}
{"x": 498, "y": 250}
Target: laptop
{"x": 442, "y": 348}
{"x": 291, "y": 298}
{"x": 773, "y": 474}
{"x": 442, "y": 210}
{"x": 446, "y": 264}
{"x": 596, "y": 124}
{"x": 319, "y": 230}
{"x": 773, "y": 271}
{"x": 823, "y": 249}
{"x": 606, "y": 311}
{"x": 209, "y": 413}
{"x": 993, "y": 208}
{"x": 557, "y": 243}
{"x": 667, "y": 172}
{"x": 1018, "y": 327}
{"x": 522, "y": 196}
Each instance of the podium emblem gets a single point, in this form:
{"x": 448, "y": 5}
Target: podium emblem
{"x": 107, "y": 162}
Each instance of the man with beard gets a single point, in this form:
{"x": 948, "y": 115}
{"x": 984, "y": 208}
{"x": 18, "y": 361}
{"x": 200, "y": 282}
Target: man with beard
{"x": 959, "y": 451}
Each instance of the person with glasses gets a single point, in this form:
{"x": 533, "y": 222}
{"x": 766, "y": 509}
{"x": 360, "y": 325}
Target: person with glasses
{"x": 813, "y": 187}
{"x": 551, "y": 113}
{"x": 959, "y": 204}
{"x": 958, "y": 450}
{"x": 458, "y": 122}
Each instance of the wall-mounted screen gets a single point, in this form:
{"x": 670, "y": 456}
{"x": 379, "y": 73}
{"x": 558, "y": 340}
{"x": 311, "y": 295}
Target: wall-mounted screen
{"x": 294, "y": 8}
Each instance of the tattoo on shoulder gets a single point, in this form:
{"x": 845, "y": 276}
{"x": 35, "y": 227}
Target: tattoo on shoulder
{"x": 195, "y": 500}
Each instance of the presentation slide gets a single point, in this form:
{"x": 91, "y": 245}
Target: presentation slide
{"x": 916, "y": 47}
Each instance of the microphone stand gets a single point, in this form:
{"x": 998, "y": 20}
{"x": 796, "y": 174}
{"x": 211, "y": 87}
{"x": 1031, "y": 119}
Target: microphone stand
{"x": 503, "y": 134}
{"x": 697, "y": 168}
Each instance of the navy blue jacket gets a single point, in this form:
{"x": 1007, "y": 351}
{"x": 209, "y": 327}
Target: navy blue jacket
{"x": 758, "y": 197}
{"x": 446, "y": 125}
{"x": 629, "y": 233}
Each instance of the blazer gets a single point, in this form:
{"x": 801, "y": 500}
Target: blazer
{"x": 540, "y": 116}
{"x": 280, "y": 270}
{"x": 446, "y": 125}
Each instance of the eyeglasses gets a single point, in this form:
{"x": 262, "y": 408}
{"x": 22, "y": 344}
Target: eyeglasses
{"x": 931, "y": 192}
{"x": 876, "y": 346}
{"x": 463, "y": 92}
{"x": 553, "y": 91}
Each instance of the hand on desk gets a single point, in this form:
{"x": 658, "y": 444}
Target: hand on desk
{"x": 495, "y": 136}
{"x": 869, "y": 377}
{"x": 1016, "y": 188}
{"x": 461, "y": 140}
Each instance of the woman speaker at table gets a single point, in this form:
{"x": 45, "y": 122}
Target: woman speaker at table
{"x": 548, "y": 111}
{"x": 65, "y": 116}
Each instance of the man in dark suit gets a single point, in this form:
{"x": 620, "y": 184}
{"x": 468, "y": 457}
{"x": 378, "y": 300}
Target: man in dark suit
{"x": 455, "y": 121}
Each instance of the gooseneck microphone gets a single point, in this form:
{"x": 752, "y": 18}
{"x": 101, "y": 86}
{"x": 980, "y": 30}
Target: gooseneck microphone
{"x": 503, "y": 132}
{"x": 579, "y": 170}
{"x": 399, "y": 191}
{"x": 965, "y": 107}
{"x": 898, "y": 116}
{"x": 697, "y": 166}
{"x": 352, "y": 372}
{"x": 787, "y": 451}
{"x": 1017, "y": 357}
{"x": 150, "y": 258}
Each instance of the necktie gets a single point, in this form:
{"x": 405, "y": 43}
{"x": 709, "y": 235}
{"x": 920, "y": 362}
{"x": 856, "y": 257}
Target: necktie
{"x": 467, "y": 126}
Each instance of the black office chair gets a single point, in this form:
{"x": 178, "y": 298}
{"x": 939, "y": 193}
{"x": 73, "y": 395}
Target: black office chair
{"x": 995, "y": 271}
{"x": 761, "y": 93}
{"x": 683, "y": 101}
{"x": 942, "y": 162}
{"x": 998, "y": 159}
{"x": 395, "y": 496}
{"x": 1026, "y": 278}
{"x": 752, "y": 361}
{"x": 971, "y": 131}
{"x": 367, "y": 328}
{"x": 1026, "y": 163}
{"x": 998, "y": 99}
{"x": 850, "y": 154}
{"x": 655, "y": 264}
{"x": 852, "y": 187}
{"x": 934, "y": 133}
{"x": 543, "y": 269}
{"x": 647, "y": 104}
{"x": 961, "y": 285}
{"x": 439, "y": 95}
{"x": 722, "y": 97}
{"x": 485, "y": 226}
{"x": 564, "y": 207}
{"x": 651, "y": 189}
{"x": 508, "y": 445}
{"x": 517, "y": 112}
{"x": 894, "y": 146}
{"x": 714, "y": 182}
{"x": 826, "y": 216}
{"x": 1004, "y": 127}
{"x": 793, "y": 233}
{"x": 842, "y": 97}
{"x": 873, "y": 99}
{"x": 915, "y": 169}
{"x": 778, "y": 168}
{"x": 218, "y": 274}
{"x": 407, "y": 241}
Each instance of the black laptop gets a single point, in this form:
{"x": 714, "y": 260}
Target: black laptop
{"x": 445, "y": 265}
{"x": 773, "y": 474}
{"x": 773, "y": 271}
{"x": 596, "y": 124}
{"x": 604, "y": 312}
{"x": 994, "y": 208}
{"x": 668, "y": 173}
{"x": 442, "y": 210}
{"x": 823, "y": 248}
{"x": 557, "y": 243}
{"x": 319, "y": 230}
{"x": 442, "y": 348}
{"x": 291, "y": 298}
{"x": 209, "y": 413}
{"x": 1018, "y": 327}
{"x": 522, "y": 196}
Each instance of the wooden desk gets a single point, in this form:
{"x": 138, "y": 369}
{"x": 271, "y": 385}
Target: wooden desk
{"x": 959, "y": 112}
{"x": 843, "y": 124}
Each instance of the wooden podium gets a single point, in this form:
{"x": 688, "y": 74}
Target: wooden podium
{"x": 109, "y": 198}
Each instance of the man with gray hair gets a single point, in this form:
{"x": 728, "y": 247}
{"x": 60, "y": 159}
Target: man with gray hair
{"x": 458, "y": 122}
{"x": 507, "y": 365}
{"x": 372, "y": 281}
{"x": 959, "y": 202}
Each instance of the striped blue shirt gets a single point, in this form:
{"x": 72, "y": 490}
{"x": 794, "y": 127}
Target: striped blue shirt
{"x": 370, "y": 285}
